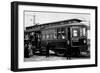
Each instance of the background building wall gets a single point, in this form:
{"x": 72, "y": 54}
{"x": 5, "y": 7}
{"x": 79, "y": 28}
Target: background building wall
{"x": 5, "y": 38}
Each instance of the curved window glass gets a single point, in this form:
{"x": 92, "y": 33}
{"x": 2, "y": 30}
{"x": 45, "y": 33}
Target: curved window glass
{"x": 84, "y": 31}
{"x": 75, "y": 32}
{"x": 61, "y": 33}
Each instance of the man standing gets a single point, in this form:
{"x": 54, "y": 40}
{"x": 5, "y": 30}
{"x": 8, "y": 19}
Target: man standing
{"x": 26, "y": 52}
{"x": 69, "y": 45}
{"x": 68, "y": 52}
{"x": 47, "y": 49}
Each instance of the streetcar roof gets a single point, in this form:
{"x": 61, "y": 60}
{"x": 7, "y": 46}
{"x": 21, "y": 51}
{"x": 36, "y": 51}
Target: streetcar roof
{"x": 64, "y": 23}
{"x": 57, "y": 22}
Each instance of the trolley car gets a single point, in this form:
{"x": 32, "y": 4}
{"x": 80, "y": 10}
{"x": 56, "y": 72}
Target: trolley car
{"x": 60, "y": 34}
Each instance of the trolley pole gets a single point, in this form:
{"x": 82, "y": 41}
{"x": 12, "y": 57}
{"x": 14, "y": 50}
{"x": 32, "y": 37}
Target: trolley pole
{"x": 34, "y": 19}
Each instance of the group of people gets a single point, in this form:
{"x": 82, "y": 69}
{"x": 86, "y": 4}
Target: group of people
{"x": 28, "y": 50}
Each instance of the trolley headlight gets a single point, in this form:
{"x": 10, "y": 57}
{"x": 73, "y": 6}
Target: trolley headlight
{"x": 84, "y": 41}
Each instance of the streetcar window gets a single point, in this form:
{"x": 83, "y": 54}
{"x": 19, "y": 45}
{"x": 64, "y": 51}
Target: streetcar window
{"x": 43, "y": 36}
{"x": 61, "y": 33}
{"x": 47, "y": 36}
{"x": 81, "y": 32}
{"x": 84, "y": 31}
{"x": 55, "y": 36}
{"x": 75, "y": 33}
{"x": 63, "y": 37}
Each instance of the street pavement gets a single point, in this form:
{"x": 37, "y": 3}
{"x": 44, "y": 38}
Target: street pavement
{"x": 50, "y": 58}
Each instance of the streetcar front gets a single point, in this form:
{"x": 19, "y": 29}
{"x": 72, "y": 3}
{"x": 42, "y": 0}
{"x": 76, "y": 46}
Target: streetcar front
{"x": 78, "y": 39}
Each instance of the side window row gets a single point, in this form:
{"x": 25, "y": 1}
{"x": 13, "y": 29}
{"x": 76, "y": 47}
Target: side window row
{"x": 58, "y": 33}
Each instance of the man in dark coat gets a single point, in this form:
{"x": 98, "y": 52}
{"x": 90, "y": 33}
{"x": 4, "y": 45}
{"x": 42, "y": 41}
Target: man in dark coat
{"x": 68, "y": 51}
{"x": 68, "y": 46}
{"x": 47, "y": 49}
{"x": 26, "y": 52}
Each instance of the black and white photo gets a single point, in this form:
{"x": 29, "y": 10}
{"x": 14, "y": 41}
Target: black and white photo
{"x": 56, "y": 36}
{"x": 52, "y": 36}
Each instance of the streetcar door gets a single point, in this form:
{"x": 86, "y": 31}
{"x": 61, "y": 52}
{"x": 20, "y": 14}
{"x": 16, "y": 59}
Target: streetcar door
{"x": 73, "y": 36}
{"x": 37, "y": 38}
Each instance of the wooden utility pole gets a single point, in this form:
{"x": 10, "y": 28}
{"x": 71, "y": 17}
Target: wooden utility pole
{"x": 34, "y": 19}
